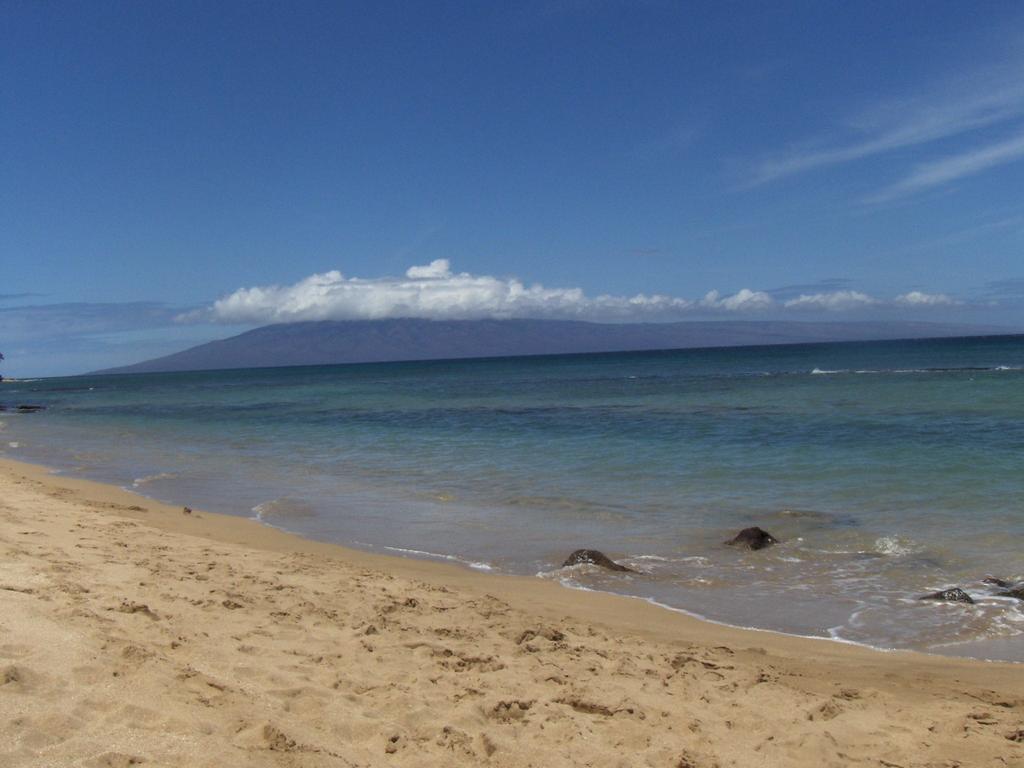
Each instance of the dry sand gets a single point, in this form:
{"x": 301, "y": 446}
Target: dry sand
{"x": 132, "y": 633}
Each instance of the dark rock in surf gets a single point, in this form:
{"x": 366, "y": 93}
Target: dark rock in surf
{"x": 30, "y": 408}
{"x": 996, "y": 582}
{"x": 593, "y": 557}
{"x": 752, "y": 538}
{"x": 954, "y": 595}
{"x": 1017, "y": 592}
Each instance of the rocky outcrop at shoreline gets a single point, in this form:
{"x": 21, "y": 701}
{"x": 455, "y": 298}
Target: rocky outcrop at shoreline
{"x": 594, "y": 557}
{"x": 954, "y": 595}
{"x": 752, "y": 538}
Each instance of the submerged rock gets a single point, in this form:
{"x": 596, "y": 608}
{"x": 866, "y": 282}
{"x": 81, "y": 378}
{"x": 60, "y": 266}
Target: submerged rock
{"x": 954, "y": 595}
{"x": 996, "y": 582}
{"x": 1017, "y": 592}
{"x": 593, "y": 557}
{"x": 30, "y": 408}
{"x": 752, "y": 538}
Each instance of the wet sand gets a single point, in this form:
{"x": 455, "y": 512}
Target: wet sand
{"x": 132, "y": 633}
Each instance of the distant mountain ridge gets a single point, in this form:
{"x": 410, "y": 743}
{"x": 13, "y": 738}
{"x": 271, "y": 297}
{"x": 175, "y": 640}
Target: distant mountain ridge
{"x": 368, "y": 341}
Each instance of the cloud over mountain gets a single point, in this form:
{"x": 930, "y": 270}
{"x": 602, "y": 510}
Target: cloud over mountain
{"x": 434, "y": 291}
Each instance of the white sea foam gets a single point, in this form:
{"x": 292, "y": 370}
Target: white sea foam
{"x": 563, "y": 573}
{"x": 894, "y": 545}
{"x": 693, "y": 614}
{"x": 475, "y": 564}
{"x": 283, "y": 508}
{"x": 146, "y": 479}
{"x": 14, "y": 444}
{"x": 978, "y": 369}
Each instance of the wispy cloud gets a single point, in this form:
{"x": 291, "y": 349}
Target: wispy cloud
{"x": 957, "y": 107}
{"x": 18, "y": 296}
{"x": 828, "y": 285}
{"x": 61, "y": 338}
{"x": 434, "y": 291}
{"x": 954, "y": 167}
{"x": 1010, "y": 288}
{"x": 80, "y": 319}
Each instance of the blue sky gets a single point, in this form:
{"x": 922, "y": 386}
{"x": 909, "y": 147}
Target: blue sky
{"x": 176, "y": 172}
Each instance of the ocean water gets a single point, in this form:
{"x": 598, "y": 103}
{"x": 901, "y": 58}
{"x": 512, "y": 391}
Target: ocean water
{"x": 887, "y": 469}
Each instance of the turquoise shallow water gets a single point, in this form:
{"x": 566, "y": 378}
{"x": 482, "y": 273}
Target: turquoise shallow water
{"x": 888, "y": 469}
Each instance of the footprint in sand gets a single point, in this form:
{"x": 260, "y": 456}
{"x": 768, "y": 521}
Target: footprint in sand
{"x": 14, "y": 651}
{"x": 19, "y": 679}
{"x": 509, "y": 711}
{"x": 827, "y": 711}
{"x": 456, "y": 741}
{"x": 130, "y": 606}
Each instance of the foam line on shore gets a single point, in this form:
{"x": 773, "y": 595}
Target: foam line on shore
{"x": 467, "y": 566}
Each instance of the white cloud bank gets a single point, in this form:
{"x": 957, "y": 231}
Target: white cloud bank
{"x": 918, "y": 299}
{"x": 833, "y": 301}
{"x": 433, "y": 291}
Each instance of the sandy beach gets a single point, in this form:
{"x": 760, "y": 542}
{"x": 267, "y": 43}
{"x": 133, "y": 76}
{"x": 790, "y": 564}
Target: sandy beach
{"x": 132, "y": 633}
